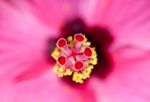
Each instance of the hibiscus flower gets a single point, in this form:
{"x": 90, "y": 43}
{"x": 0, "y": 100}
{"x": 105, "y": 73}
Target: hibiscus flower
{"x": 119, "y": 29}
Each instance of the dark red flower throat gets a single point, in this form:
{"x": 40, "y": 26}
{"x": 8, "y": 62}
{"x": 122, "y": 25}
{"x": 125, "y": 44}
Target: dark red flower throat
{"x": 100, "y": 38}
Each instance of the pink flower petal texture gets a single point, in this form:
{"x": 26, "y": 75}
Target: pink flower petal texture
{"x": 21, "y": 44}
{"x": 129, "y": 81}
{"x": 29, "y": 28}
{"x": 43, "y": 89}
{"x": 53, "y": 12}
{"x": 127, "y": 19}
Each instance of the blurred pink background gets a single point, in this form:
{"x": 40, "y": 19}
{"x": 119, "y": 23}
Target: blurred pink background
{"x": 30, "y": 28}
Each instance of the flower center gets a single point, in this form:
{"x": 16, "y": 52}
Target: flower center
{"x": 75, "y": 57}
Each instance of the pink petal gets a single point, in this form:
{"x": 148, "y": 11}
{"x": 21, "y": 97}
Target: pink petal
{"x": 23, "y": 40}
{"x": 53, "y": 12}
{"x": 93, "y": 10}
{"x": 7, "y": 93}
{"x": 127, "y": 19}
{"x": 49, "y": 88}
{"x": 132, "y": 25}
{"x": 129, "y": 81}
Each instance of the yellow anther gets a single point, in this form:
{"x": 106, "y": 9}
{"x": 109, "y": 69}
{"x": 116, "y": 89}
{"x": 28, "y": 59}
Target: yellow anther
{"x": 55, "y": 53}
{"x": 55, "y": 68}
{"x": 69, "y": 38}
{"x": 86, "y": 73}
{"x": 94, "y": 55}
{"x": 80, "y": 81}
{"x": 60, "y": 72}
{"x": 61, "y": 69}
{"x": 87, "y": 43}
{"x": 93, "y": 61}
{"x": 77, "y": 77}
{"x": 68, "y": 72}
{"x": 90, "y": 67}
{"x": 85, "y": 40}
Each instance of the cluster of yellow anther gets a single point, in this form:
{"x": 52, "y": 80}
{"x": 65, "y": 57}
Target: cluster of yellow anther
{"x": 60, "y": 71}
{"x": 80, "y": 76}
{"x": 77, "y": 76}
